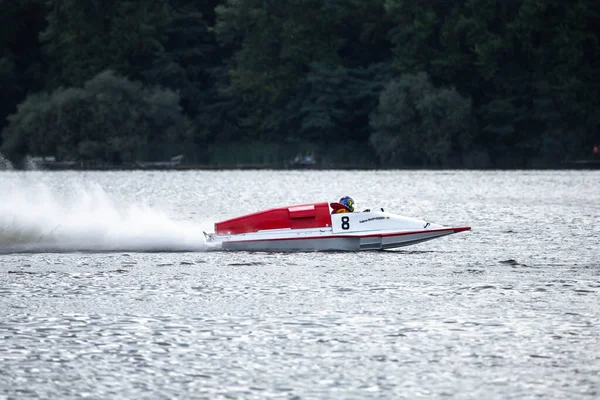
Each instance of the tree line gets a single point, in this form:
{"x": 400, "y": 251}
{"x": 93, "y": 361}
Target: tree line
{"x": 398, "y": 83}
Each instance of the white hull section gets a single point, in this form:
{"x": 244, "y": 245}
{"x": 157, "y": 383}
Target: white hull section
{"x": 349, "y": 232}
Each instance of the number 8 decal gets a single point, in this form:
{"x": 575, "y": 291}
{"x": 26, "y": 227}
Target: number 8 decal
{"x": 345, "y": 223}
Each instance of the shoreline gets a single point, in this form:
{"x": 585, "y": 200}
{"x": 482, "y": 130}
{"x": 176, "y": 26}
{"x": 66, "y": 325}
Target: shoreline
{"x": 177, "y": 165}
{"x": 250, "y": 167}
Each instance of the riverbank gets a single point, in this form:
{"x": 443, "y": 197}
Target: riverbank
{"x": 180, "y": 163}
{"x": 574, "y": 165}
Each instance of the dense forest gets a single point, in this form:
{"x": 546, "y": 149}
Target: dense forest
{"x": 387, "y": 83}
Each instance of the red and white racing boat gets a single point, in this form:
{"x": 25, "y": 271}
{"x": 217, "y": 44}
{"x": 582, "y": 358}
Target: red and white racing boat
{"x": 313, "y": 227}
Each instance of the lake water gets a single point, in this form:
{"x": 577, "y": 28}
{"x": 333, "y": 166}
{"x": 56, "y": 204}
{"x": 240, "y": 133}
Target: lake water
{"x": 108, "y": 291}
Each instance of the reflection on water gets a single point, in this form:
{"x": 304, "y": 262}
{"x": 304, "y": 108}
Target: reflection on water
{"x": 508, "y": 310}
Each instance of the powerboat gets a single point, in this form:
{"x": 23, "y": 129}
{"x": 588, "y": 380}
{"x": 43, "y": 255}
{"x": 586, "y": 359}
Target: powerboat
{"x": 317, "y": 227}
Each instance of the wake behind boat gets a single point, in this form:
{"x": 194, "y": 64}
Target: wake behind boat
{"x": 317, "y": 227}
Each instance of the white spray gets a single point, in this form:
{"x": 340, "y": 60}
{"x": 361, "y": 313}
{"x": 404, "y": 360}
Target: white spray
{"x": 36, "y": 218}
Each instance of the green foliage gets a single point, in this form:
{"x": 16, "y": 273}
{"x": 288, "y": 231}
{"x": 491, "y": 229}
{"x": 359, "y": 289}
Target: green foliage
{"x": 338, "y": 102}
{"x": 293, "y": 72}
{"x": 84, "y": 38}
{"x": 9, "y": 84}
{"x": 499, "y": 53}
{"x": 274, "y": 44}
{"x": 110, "y": 118}
{"x": 20, "y": 52}
{"x": 185, "y": 63}
{"x": 417, "y": 124}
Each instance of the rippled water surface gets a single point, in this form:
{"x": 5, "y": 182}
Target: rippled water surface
{"x": 107, "y": 289}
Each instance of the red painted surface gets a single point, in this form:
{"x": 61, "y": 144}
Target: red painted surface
{"x": 295, "y": 217}
{"x": 462, "y": 229}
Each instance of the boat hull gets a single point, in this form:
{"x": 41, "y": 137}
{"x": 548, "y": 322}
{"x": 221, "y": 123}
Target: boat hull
{"x": 336, "y": 243}
{"x": 312, "y": 228}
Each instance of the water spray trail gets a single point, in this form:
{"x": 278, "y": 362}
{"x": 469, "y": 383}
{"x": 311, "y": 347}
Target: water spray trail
{"x": 36, "y": 218}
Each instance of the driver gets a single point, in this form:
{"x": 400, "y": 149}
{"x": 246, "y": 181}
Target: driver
{"x": 348, "y": 205}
